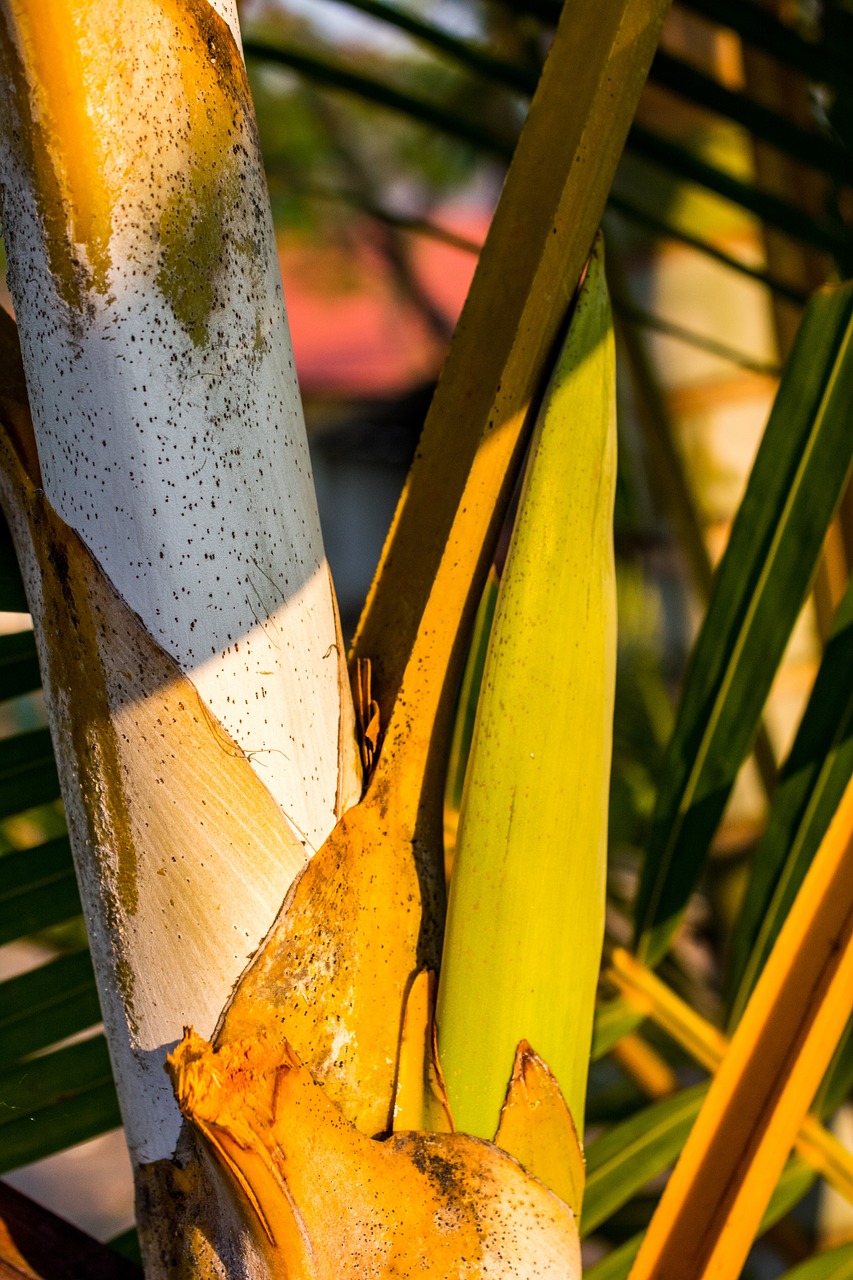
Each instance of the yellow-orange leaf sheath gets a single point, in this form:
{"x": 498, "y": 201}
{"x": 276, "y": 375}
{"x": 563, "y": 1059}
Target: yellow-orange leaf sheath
{"x": 420, "y": 1101}
{"x": 331, "y": 978}
{"x": 332, "y": 1204}
{"x": 537, "y": 1128}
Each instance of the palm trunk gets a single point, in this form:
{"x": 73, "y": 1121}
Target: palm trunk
{"x": 166, "y": 519}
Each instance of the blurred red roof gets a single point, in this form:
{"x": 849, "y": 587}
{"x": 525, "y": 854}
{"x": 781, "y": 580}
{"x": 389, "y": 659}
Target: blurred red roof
{"x": 355, "y": 332}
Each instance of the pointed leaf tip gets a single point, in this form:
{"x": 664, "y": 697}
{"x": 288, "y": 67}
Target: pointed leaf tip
{"x": 536, "y": 1127}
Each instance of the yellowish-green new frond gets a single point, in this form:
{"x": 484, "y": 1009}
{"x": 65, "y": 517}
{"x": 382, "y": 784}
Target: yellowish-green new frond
{"x": 526, "y": 907}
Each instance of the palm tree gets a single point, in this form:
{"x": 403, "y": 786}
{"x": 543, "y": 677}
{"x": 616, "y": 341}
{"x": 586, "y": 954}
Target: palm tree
{"x": 138, "y": 758}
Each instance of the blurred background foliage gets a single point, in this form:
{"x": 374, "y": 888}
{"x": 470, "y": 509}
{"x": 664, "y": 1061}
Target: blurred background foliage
{"x": 386, "y": 126}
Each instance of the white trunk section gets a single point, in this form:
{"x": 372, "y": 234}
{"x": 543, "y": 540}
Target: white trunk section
{"x": 186, "y": 473}
{"x": 146, "y": 283}
{"x": 176, "y": 447}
